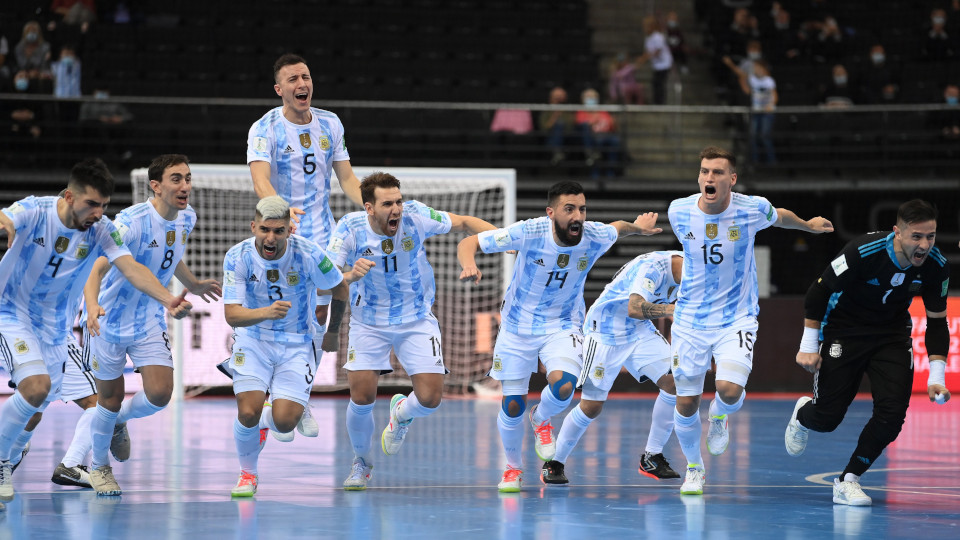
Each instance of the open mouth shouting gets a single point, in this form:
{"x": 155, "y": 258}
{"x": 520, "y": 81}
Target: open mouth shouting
{"x": 392, "y": 225}
{"x": 302, "y": 97}
{"x": 270, "y": 251}
{"x": 918, "y": 257}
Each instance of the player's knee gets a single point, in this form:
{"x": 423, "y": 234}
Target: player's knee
{"x": 285, "y": 425}
{"x": 513, "y": 406}
{"x": 562, "y": 388}
{"x": 158, "y": 397}
{"x": 667, "y": 384}
{"x": 729, "y": 392}
{"x": 591, "y": 409}
{"x": 430, "y": 401}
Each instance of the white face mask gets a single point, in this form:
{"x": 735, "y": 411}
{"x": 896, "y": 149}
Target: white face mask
{"x": 754, "y": 55}
{"x": 590, "y": 101}
{"x": 878, "y": 58}
{"x": 100, "y": 94}
{"x": 840, "y": 80}
{"x": 671, "y": 24}
{"x": 939, "y": 20}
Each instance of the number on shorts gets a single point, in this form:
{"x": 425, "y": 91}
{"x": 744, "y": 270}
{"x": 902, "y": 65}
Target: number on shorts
{"x": 435, "y": 345}
{"x": 746, "y": 340}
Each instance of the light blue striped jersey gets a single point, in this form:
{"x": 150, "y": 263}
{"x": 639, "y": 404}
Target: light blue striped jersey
{"x": 545, "y": 295}
{"x": 253, "y": 282}
{"x": 400, "y": 288}
{"x": 651, "y": 276}
{"x": 301, "y": 161}
{"x": 43, "y": 273}
{"x": 157, "y": 244}
{"x": 719, "y": 284}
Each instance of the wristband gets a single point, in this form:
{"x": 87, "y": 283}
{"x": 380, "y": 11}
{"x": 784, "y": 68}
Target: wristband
{"x": 810, "y": 342}
{"x": 937, "y": 374}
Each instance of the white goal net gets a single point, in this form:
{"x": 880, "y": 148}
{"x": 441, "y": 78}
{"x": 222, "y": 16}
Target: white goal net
{"x": 224, "y": 201}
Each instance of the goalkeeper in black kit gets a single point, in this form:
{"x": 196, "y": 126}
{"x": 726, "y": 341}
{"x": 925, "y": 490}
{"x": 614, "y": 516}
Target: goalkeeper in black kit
{"x": 859, "y": 307}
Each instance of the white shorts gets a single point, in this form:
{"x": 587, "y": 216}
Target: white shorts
{"x": 416, "y": 344}
{"x": 108, "y": 359}
{"x": 731, "y": 348}
{"x": 286, "y": 370}
{"x": 647, "y": 357}
{"x": 515, "y": 356}
{"x": 78, "y": 380}
{"x": 25, "y": 356}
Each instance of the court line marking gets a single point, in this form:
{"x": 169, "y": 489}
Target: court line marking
{"x": 821, "y": 479}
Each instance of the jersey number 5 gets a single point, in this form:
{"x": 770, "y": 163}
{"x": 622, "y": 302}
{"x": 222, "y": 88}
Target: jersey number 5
{"x": 308, "y": 164}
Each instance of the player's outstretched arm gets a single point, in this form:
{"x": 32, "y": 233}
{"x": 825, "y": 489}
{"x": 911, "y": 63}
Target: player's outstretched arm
{"x": 645, "y": 224}
{"x": 7, "y": 224}
{"x": 236, "y": 315}
{"x": 349, "y": 182}
{"x": 639, "y": 308}
{"x": 207, "y": 289}
{"x": 466, "y": 256}
{"x": 143, "y": 280}
{"x": 788, "y": 220}
{"x": 470, "y": 224}
{"x": 91, "y": 295}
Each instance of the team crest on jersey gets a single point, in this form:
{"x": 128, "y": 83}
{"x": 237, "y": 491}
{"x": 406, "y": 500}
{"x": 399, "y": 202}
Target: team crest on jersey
{"x": 239, "y": 358}
{"x": 351, "y": 355}
{"x": 497, "y": 364}
{"x": 324, "y": 143}
{"x": 171, "y": 237}
{"x": 582, "y": 263}
{"x": 61, "y": 244}
{"x": 94, "y": 363}
{"x": 183, "y": 237}
{"x": 598, "y": 372}
{"x": 711, "y": 230}
{"x": 897, "y": 279}
{"x": 82, "y": 251}
{"x": 305, "y": 140}
{"x": 21, "y": 347}
{"x": 273, "y": 275}
{"x": 387, "y": 246}
{"x": 836, "y": 350}
{"x": 676, "y": 361}
{"x": 562, "y": 260}
{"x": 293, "y": 278}
{"x": 733, "y": 233}
{"x": 407, "y": 243}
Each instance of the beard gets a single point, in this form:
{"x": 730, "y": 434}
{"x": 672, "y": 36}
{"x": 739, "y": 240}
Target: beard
{"x": 566, "y": 238}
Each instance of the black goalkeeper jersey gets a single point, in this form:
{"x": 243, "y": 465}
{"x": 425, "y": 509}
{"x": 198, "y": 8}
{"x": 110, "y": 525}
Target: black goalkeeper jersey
{"x": 871, "y": 293}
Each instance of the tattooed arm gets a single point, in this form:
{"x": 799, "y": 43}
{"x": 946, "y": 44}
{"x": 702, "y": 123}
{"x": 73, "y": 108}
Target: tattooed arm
{"x": 639, "y": 308}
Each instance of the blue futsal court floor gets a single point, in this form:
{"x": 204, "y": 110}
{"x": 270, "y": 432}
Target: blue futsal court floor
{"x": 443, "y": 483}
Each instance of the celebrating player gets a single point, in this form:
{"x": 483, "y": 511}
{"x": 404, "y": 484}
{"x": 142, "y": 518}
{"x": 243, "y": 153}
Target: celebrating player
{"x": 717, "y": 305}
{"x": 619, "y": 333}
{"x": 270, "y": 284}
{"x": 542, "y": 312}
{"x": 391, "y": 309}
{"x": 133, "y": 324}
{"x": 53, "y": 242}
{"x": 860, "y": 307}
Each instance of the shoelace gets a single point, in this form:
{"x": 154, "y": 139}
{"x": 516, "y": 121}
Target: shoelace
{"x": 401, "y": 430}
{"x": 247, "y": 479}
{"x": 511, "y": 474}
{"x": 358, "y": 470}
{"x": 545, "y": 432}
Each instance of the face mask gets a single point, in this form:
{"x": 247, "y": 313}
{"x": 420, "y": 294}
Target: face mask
{"x": 32, "y": 37}
{"x": 67, "y": 61}
{"x": 671, "y": 24}
{"x": 878, "y": 58}
{"x": 590, "y": 102}
{"x": 100, "y": 94}
{"x": 840, "y": 80}
{"x": 22, "y": 84}
{"x": 953, "y": 100}
{"x": 939, "y": 20}
{"x": 782, "y": 25}
{"x": 754, "y": 55}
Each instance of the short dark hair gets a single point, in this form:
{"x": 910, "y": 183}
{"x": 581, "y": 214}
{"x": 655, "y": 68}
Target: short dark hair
{"x": 376, "y": 180}
{"x": 562, "y": 188}
{"x": 715, "y": 152}
{"x": 91, "y": 172}
{"x": 162, "y": 162}
{"x": 916, "y": 211}
{"x": 286, "y": 60}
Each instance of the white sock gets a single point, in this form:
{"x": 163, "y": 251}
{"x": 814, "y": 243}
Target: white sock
{"x": 412, "y": 408}
{"x": 360, "y": 428}
{"x": 688, "y": 432}
{"x": 661, "y": 422}
{"x": 136, "y": 407}
{"x": 573, "y": 428}
{"x": 14, "y": 415}
{"x": 248, "y": 445}
{"x": 266, "y": 419}
{"x": 718, "y": 407}
{"x": 101, "y": 433}
{"x": 549, "y": 405}
{"x": 81, "y": 444}
{"x": 511, "y": 435}
{"x": 16, "y": 451}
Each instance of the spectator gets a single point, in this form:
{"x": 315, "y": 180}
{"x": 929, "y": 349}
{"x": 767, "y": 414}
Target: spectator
{"x": 879, "y": 82}
{"x": 623, "y": 86}
{"x": 838, "y": 93}
{"x": 75, "y": 12}
{"x": 827, "y": 44}
{"x": 950, "y": 119}
{"x": 762, "y": 89}
{"x": 555, "y": 124}
{"x": 657, "y": 52}
{"x": 66, "y": 73}
{"x": 26, "y": 130}
{"x": 6, "y": 74}
{"x": 33, "y": 60}
{"x": 937, "y": 44}
{"x": 784, "y": 40}
{"x": 107, "y": 121}
{"x": 677, "y": 43}
{"x": 742, "y": 29}
{"x": 598, "y": 129}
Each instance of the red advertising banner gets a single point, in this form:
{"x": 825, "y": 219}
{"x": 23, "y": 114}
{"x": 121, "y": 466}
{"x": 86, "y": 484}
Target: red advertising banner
{"x": 920, "y": 361}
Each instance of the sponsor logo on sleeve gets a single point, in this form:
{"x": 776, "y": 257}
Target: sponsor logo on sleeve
{"x": 335, "y": 245}
{"x": 944, "y": 287}
{"x": 325, "y": 265}
{"x": 15, "y": 208}
{"x": 648, "y": 284}
{"x": 501, "y": 237}
{"x": 117, "y": 239}
{"x": 229, "y": 278}
{"x": 839, "y": 265}
{"x": 436, "y": 216}
{"x": 260, "y": 144}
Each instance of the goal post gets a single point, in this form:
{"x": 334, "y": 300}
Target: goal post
{"x": 224, "y": 200}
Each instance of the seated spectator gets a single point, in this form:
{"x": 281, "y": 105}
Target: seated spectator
{"x": 26, "y": 130}
{"x": 677, "y": 43}
{"x": 75, "y": 12}
{"x": 949, "y": 120}
{"x": 66, "y": 73}
{"x": 827, "y": 43}
{"x": 598, "y": 130}
{"x": 657, "y": 52}
{"x": 107, "y": 120}
{"x": 784, "y": 39}
{"x": 879, "y": 82}
{"x": 838, "y": 93}
{"x": 555, "y": 124}
{"x": 33, "y": 60}
{"x": 6, "y": 74}
{"x": 937, "y": 44}
{"x": 623, "y": 87}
